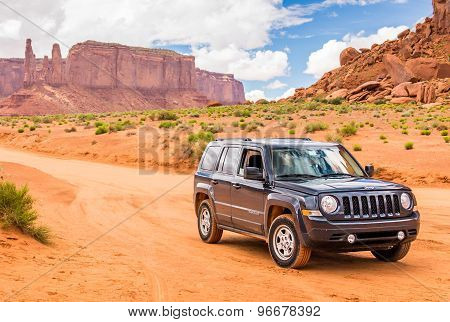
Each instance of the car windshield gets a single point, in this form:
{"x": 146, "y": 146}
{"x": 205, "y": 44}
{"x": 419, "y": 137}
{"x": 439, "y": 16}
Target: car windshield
{"x": 304, "y": 162}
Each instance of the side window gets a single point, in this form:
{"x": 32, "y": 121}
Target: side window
{"x": 210, "y": 158}
{"x": 231, "y": 160}
{"x": 250, "y": 158}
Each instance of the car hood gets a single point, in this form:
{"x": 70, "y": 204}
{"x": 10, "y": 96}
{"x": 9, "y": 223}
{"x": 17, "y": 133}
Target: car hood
{"x": 322, "y": 185}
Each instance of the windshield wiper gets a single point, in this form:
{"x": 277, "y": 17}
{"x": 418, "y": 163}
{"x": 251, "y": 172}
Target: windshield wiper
{"x": 337, "y": 175}
{"x": 297, "y": 175}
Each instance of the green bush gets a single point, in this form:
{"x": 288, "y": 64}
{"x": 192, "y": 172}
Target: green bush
{"x": 167, "y": 116}
{"x": 446, "y": 139}
{"x": 409, "y": 145}
{"x": 348, "y": 129}
{"x": 405, "y": 132}
{"x": 336, "y": 101}
{"x": 101, "y": 130}
{"x": 334, "y": 138}
{"x": 291, "y": 131}
{"x": 316, "y": 126}
{"x": 383, "y": 137}
{"x": 444, "y": 133}
{"x": 17, "y": 210}
{"x": 357, "y": 147}
{"x": 20, "y": 130}
{"x": 167, "y": 125}
{"x": 425, "y": 132}
{"x": 32, "y": 128}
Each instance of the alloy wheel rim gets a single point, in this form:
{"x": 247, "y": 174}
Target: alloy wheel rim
{"x": 283, "y": 242}
{"x": 205, "y": 222}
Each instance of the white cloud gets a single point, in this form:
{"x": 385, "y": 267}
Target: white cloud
{"x": 327, "y": 58}
{"x": 286, "y": 94}
{"x": 10, "y": 29}
{"x": 276, "y": 84}
{"x": 255, "y": 95}
{"x": 246, "y": 65}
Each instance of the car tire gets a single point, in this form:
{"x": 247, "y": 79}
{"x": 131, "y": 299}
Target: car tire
{"x": 284, "y": 244}
{"x": 207, "y": 223}
{"x": 394, "y": 254}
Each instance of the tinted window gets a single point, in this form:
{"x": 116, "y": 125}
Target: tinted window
{"x": 210, "y": 158}
{"x": 250, "y": 158}
{"x": 231, "y": 160}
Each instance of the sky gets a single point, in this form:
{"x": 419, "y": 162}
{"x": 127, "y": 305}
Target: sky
{"x": 272, "y": 46}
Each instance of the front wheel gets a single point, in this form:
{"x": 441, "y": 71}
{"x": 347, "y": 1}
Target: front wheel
{"x": 393, "y": 254}
{"x": 284, "y": 245}
{"x": 207, "y": 224}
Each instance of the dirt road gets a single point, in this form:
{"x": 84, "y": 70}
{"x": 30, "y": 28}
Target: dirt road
{"x": 124, "y": 236}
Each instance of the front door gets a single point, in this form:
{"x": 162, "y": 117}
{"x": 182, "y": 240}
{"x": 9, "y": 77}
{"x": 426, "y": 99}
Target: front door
{"x": 247, "y": 196}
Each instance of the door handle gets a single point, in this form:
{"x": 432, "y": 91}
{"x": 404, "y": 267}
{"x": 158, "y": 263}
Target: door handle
{"x": 236, "y": 185}
{"x": 214, "y": 181}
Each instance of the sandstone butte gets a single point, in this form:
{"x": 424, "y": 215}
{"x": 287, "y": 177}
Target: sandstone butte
{"x": 99, "y": 77}
{"x": 414, "y": 67}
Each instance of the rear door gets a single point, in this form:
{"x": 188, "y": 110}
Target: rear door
{"x": 221, "y": 183}
{"x": 248, "y": 196}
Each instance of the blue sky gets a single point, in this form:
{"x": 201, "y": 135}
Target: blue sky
{"x": 268, "y": 44}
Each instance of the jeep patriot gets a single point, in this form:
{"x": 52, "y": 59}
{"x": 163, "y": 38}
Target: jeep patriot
{"x": 299, "y": 195}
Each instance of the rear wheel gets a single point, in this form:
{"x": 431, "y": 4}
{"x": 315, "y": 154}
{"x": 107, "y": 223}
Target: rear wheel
{"x": 284, "y": 245}
{"x": 207, "y": 224}
{"x": 393, "y": 254}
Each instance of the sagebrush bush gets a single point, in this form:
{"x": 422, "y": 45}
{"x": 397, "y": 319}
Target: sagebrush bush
{"x": 409, "y": 145}
{"x": 348, "y": 129}
{"x": 17, "y": 210}
{"x": 357, "y": 147}
{"x": 316, "y": 126}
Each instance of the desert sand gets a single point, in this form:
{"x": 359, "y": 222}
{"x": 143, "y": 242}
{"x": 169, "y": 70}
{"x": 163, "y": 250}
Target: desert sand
{"x": 122, "y": 236}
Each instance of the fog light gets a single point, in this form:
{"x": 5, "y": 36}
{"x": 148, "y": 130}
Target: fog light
{"x": 401, "y": 235}
{"x": 351, "y": 238}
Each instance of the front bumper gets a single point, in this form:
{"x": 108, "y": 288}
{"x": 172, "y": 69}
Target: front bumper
{"x": 319, "y": 233}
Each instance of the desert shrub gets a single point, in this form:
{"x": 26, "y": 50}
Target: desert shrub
{"x": 195, "y": 145}
{"x": 167, "y": 125}
{"x": 17, "y": 210}
{"x": 243, "y": 125}
{"x": 380, "y": 102}
{"x": 425, "y": 132}
{"x": 167, "y": 116}
{"x": 446, "y": 139}
{"x": 336, "y": 101}
{"x": 291, "y": 131}
{"x": 405, "y": 132}
{"x": 383, "y": 137}
{"x": 316, "y": 126}
{"x": 21, "y": 130}
{"x": 409, "y": 145}
{"x": 101, "y": 130}
{"x": 444, "y": 133}
{"x": 32, "y": 128}
{"x": 357, "y": 147}
{"x": 253, "y": 126}
{"x": 235, "y": 124}
{"x": 99, "y": 123}
{"x": 334, "y": 138}
{"x": 348, "y": 129}
{"x": 70, "y": 130}
{"x": 213, "y": 128}
{"x": 291, "y": 125}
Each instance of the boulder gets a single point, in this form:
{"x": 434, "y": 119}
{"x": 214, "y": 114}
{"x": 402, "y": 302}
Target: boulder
{"x": 426, "y": 94}
{"x": 367, "y": 86}
{"x": 402, "y": 100}
{"x": 397, "y": 69}
{"x": 403, "y": 34}
{"x": 339, "y": 93}
{"x": 423, "y": 68}
{"x": 401, "y": 90}
{"x": 443, "y": 70}
{"x": 348, "y": 55}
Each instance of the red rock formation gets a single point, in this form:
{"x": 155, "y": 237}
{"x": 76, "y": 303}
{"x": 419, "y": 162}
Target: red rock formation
{"x": 220, "y": 87}
{"x": 398, "y": 66}
{"x": 29, "y": 65}
{"x": 11, "y": 75}
{"x": 133, "y": 77}
{"x": 348, "y": 55}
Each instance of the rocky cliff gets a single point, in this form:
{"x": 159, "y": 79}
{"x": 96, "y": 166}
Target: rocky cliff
{"x": 220, "y": 87}
{"x": 415, "y": 67}
{"x": 104, "y": 76}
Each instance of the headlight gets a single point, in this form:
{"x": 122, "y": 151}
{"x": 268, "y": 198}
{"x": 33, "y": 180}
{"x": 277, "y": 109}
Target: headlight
{"x": 406, "y": 201}
{"x": 329, "y": 204}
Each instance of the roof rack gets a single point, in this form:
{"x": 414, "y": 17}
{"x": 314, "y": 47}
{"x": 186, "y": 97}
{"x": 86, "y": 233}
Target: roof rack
{"x": 303, "y": 139}
{"x": 235, "y": 139}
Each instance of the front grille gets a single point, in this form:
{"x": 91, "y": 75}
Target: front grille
{"x": 368, "y": 206}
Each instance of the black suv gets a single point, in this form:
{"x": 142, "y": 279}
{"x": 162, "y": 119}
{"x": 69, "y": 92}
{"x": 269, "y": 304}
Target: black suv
{"x": 300, "y": 195}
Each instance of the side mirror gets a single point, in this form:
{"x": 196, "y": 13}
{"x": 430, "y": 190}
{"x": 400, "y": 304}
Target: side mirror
{"x": 252, "y": 173}
{"x": 370, "y": 170}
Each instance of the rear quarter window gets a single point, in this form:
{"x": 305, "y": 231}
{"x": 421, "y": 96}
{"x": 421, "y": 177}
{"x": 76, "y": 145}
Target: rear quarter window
{"x": 210, "y": 158}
